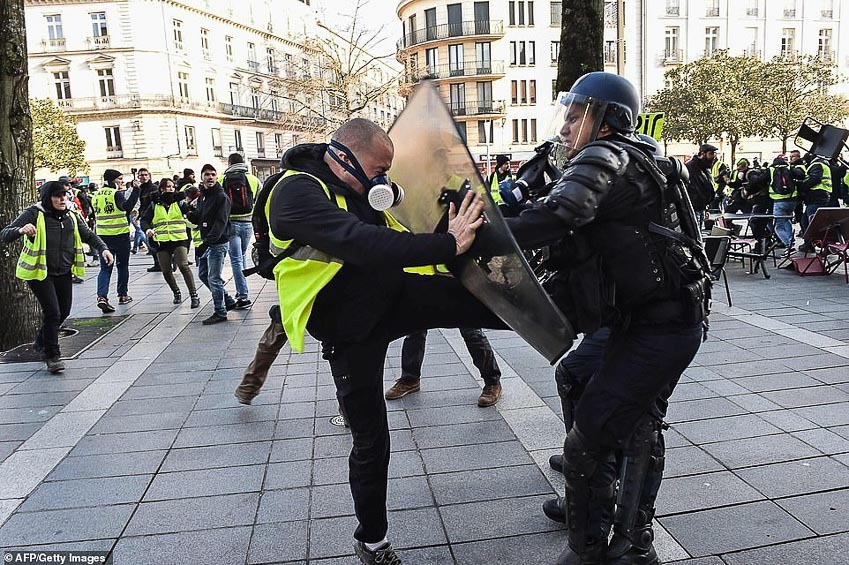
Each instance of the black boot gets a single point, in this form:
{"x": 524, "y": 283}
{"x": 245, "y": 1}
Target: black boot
{"x": 195, "y": 300}
{"x": 637, "y": 548}
{"x": 178, "y": 297}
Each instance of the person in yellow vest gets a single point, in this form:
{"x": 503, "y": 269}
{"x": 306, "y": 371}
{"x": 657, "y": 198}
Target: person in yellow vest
{"x": 500, "y": 174}
{"x": 51, "y": 255}
{"x": 816, "y": 188}
{"x": 163, "y": 222}
{"x": 341, "y": 279}
{"x": 112, "y": 206}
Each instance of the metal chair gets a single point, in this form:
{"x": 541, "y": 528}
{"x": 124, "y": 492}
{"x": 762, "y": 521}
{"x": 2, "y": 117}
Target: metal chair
{"x": 716, "y": 249}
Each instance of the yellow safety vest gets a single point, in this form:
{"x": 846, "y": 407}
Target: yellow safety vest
{"x": 197, "y": 239}
{"x": 825, "y": 183}
{"x": 774, "y": 195}
{"x": 495, "y": 189}
{"x": 111, "y": 220}
{"x": 302, "y": 275}
{"x": 32, "y": 263}
{"x": 169, "y": 224}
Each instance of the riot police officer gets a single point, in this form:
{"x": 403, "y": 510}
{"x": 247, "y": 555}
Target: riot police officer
{"x": 622, "y": 260}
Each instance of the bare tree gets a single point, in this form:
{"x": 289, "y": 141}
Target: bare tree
{"x": 581, "y": 41}
{"x": 20, "y": 310}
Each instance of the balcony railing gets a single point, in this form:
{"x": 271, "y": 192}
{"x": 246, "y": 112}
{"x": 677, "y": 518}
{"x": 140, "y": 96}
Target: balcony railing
{"x": 114, "y": 152}
{"x": 455, "y": 70}
{"x": 274, "y": 70}
{"x": 673, "y": 11}
{"x": 610, "y": 56}
{"x": 790, "y": 12}
{"x": 98, "y": 42}
{"x": 217, "y": 150}
{"x": 445, "y": 31}
{"x": 134, "y": 101}
{"x": 57, "y": 44}
{"x": 753, "y": 12}
{"x": 251, "y": 112}
{"x": 260, "y": 151}
{"x": 789, "y": 54}
{"x": 826, "y": 14}
{"x": 673, "y": 56}
{"x": 253, "y": 65}
{"x": 712, "y": 12}
{"x": 752, "y": 52}
{"x": 475, "y": 107}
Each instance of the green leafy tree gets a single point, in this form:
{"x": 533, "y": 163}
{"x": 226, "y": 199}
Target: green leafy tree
{"x": 797, "y": 88}
{"x": 581, "y": 41}
{"x": 56, "y": 144}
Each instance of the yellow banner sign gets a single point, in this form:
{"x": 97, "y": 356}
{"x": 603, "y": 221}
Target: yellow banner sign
{"x": 650, "y": 124}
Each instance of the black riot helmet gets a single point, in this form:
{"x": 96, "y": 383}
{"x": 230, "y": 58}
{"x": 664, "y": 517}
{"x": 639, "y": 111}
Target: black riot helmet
{"x": 595, "y": 99}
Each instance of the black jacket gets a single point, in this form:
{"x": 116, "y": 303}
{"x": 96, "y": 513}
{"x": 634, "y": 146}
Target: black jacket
{"x": 373, "y": 255}
{"x": 147, "y": 191}
{"x": 60, "y": 236}
{"x": 212, "y": 216}
{"x": 701, "y": 189}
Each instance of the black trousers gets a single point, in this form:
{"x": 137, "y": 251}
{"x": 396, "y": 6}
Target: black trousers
{"x": 413, "y": 351}
{"x": 424, "y": 302}
{"x": 54, "y": 295}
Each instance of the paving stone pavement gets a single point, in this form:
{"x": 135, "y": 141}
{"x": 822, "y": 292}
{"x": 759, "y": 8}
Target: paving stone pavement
{"x": 140, "y": 449}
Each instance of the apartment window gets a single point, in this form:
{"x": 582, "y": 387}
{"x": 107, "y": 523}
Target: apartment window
{"x": 673, "y": 8}
{"x": 513, "y": 48}
{"x": 553, "y": 89}
{"x": 260, "y": 143}
{"x": 217, "y": 150}
{"x": 204, "y": 43}
{"x": 457, "y": 99}
{"x": 98, "y": 24}
{"x": 461, "y": 129}
{"x": 228, "y": 48}
{"x": 107, "y": 82}
{"x": 530, "y": 13}
{"x": 515, "y": 131}
{"x": 556, "y": 13}
{"x": 752, "y": 8}
{"x": 514, "y": 92}
{"x": 210, "y": 89}
{"x": 555, "y": 52}
{"x": 521, "y": 10}
{"x": 255, "y": 99}
{"x": 524, "y": 131}
{"x": 430, "y": 24}
{"x": 827, "y": 9}
{"x": 54, "y": 26}
{"x": 511, "y": 11}
{"x": 484, "y": 92}
{"x": 483, "y": 56}
{"x": 237, "y": 138}
{"x": 269, "y": 61}
{"x": 533, "y": 130}
{"x": 711, "y": 40}
{"x": 788, "y": 41}
{"x": 532, "y": 91}
{"x": 183, "y": 84}
{"x": 234, "y": 93}
{"x": 253, "y": 64}
{"x": 523, "y": 57}
{"x": 711, "y": 8}
{"x": 609, "y": 52}
{"x": 455, "y": 19}
{"x": 824, "y": 45}
{"x": 455, "y": 59}
{"x": 485, "y": 131}
{"x": 431, "y": 59}
{"x": 178, "y": 35}
{"x": 191, "y": 145}
{"x": 275, "y": 101}
{"x": 278, "y": 143}
{"x": 671, "y": 43}
{"x": 789, "y": 8}
{"x": 751, "y": 42}
{"x": 63, "y": 85}
{"x": 523, "y": 92}
{"x": 532, "y": 52}
{"x": 113, "y": 138}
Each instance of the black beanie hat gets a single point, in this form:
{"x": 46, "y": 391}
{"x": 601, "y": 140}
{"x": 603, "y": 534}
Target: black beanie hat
{"x": 500, "y": 160}
{"x": 109, "y": 175}
{"x": 53, "y": 188}
{"x": 187, "y": 172}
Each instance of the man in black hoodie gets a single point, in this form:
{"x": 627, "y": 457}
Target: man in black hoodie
{"x": 344, "y": 284}
{"x": 212, "y": 216}
{"x": 59, "y": 246}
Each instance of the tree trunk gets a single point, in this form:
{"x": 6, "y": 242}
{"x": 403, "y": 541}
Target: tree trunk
{"x": 733, "y": 141}
{"x": 581, "y": 41}
{"x": 20, "y": 310}
{"x": 784, "y": 139}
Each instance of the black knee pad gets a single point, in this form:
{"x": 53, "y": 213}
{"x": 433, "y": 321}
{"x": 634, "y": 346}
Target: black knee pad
{"x": 580, "y": 458}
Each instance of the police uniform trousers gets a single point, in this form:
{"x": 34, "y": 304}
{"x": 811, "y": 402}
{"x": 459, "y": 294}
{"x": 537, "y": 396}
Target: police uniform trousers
{"x": 421, "y": 303}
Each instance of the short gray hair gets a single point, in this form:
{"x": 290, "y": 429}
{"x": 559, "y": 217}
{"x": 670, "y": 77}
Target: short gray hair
{"x": 360, "y": 134}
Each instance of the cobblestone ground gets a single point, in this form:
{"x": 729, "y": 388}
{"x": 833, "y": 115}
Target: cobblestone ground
{"x": 139, "y": 448}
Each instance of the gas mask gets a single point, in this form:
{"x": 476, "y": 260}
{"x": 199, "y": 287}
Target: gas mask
{"x": 381, "y": 192}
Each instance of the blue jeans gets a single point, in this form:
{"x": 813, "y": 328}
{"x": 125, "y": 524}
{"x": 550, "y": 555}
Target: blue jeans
{"x": 119, "y": 245}
{"x": 239, "y": 242}
{"x": 210, "y": 265}
{"x": 139, "y": 238}
{"x": 783, "y": 227}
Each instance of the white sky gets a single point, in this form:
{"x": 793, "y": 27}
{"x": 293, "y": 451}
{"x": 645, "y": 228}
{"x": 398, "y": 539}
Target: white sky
{"x": 373, "y": 14}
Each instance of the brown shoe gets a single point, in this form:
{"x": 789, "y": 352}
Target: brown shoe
{"x": 403, "y": 387}
{"x": 489, "y": 395}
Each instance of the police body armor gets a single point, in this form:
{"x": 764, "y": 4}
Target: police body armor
{"x": 642, "y": 256}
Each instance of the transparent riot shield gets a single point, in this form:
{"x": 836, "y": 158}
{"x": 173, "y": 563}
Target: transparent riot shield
{"x": 430, "y": 159}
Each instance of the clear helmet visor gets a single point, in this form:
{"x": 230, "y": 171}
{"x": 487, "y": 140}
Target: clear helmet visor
{"x": 576, "y": 122}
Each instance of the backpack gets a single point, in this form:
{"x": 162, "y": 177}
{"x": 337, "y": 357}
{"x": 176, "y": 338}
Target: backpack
{"x": 237, "y": 190}
{"x": 782, "y": 181}
{"x": 264, "y": 261}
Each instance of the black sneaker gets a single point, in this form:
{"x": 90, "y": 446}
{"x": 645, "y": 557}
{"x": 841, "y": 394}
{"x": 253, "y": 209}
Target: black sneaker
{"x": 103, "y": 304}
{"x": 383, "y": 555}
{"x": 242, "y": 303}
{"x": 77, "y": 280}
{"x": 554, "y": 509}
{"x": 214, "y": 319}
{"x": 154, "y": 269}
{"x": 230, "y": 305}
{"x": 195, "y": 301}
{"x": 55, "y": 365}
